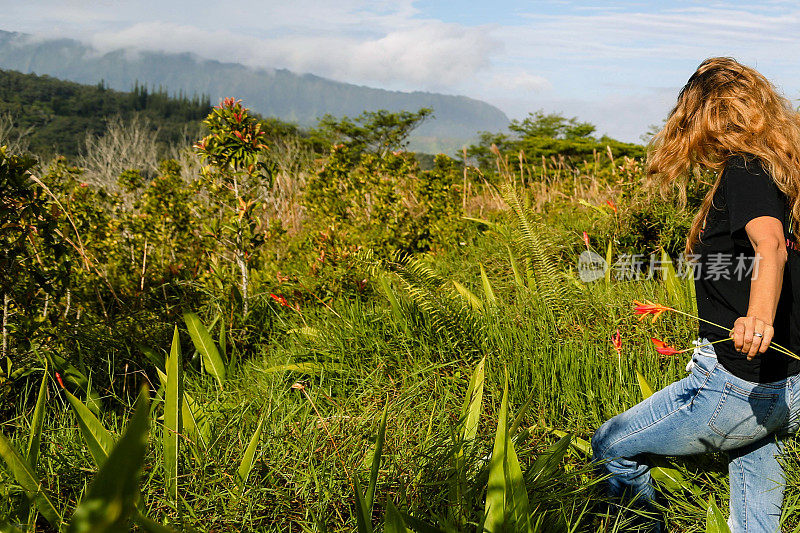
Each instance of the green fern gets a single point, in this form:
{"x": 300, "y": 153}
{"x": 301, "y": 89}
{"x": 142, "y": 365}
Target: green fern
{"x": 537, "y": 246}
{"x": 446, "y": 312}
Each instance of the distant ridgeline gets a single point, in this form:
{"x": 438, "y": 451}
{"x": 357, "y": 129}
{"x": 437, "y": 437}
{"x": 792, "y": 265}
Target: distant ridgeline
{"x": 297, "y": 98}
{"x": 58, "y": 114}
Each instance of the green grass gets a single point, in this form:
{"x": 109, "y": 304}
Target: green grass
{"x": 322, "y": 392}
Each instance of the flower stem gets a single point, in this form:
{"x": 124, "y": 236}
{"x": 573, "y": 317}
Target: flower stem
{"x": 774, "y": 345}
{"x": 707, "y": 344}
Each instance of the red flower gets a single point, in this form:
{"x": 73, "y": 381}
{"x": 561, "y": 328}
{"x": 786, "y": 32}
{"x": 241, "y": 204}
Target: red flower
{"x": 60, "y": 382}
{"x": 616, "y": 342}
{"x": 281, "y": 300}
{"x": 586, "y": 239}
{"x": 663, "y": 348}
{"x": 611, "y": 205}
{"x": 649, "y": 308}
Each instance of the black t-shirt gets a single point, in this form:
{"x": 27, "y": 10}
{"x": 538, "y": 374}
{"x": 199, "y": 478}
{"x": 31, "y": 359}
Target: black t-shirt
{"x": 725, "y": 266}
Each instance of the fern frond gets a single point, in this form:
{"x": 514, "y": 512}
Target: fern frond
{"x": 448, "y": 314}
{"x": 541, "y": 252}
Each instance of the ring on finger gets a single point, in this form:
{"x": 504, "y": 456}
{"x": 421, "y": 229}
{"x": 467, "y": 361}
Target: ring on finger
{"x": 757, "y": 334}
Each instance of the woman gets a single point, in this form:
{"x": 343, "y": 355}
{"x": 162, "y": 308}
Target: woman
{"x": 742, "y": 395}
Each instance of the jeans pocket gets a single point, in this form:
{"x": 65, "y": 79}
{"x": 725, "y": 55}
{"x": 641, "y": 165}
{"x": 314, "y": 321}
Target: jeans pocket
{"x": 743, "y": 414}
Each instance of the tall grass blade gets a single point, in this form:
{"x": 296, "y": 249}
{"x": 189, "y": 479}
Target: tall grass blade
{"x": 547, "y": 464}
{"x": 420, "y": 526}
{"x": 149, "y": 525}
{"x": 35, "y": 437}
{"x": 110, "y": 500}
{"x": 98, "y": 439}
{"x": 592, "y": 206}
{"x": 521, "y": 415}
{"x": 467, "y": 431}
{"x": 644, "y": 386}
{"x": 393, "y": 522}
{"x": 469, "y": 296}
{"x": 507, "y": 506}
{"x": 715, "y": 522}
{"x": 248, "y": 459}
{"x": 609, "y": 259}
{"x": 471, "y": 409}
{"x": 671, "y": 478}
{"x": 518, "y": 280}
{"x": 205, "y": 345}
{"x": 154, "y": 357}
{"x": 670, "y": 278}
{"x": 172, "y": 417}
{"x": 363, "y": 517}
{"x": 27, "y": 479}
{"x": 394, "y": 304}
{"x": 579, "y": 444}
{"x": 376, "y": 460}
{"x": 222, "y": 341}
{"x": 73, "y": 375}
{"x": 193, "y": 420}
{"x": 487, "y": 287}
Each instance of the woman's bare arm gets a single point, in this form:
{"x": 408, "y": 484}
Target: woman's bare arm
{"x": 766, "y": 236}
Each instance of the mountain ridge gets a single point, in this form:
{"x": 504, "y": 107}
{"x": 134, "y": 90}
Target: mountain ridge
{"x": 299, "y": 98}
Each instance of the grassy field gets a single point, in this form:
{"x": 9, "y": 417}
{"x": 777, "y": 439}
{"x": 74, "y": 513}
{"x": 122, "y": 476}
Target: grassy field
{"x": 451, "y": 390}
{"x": 317, "y": 394}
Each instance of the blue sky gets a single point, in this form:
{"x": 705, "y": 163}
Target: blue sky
{"x": 619, "y": 64}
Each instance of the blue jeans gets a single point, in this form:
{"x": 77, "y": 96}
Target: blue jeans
{"x": 709, "y": 410}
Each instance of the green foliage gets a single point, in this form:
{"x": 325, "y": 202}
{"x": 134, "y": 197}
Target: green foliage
{"x": 387, "y": 203}
{"x": 173, "y": 426}
{"x": 29, "y": 481}
{"x": 553, "y": 139}
{"x": 57, "y": 115}
{"x": 204, "y": 344}
{"x": 33, "y": 253}
{"x": 552, "y": 125}
{"x": 507, "y": 505}
{"x": 356, "y": 346}
{"x": 110, "y": 500}
{"x": 376, "y": 132}
{"x": 238, "y": 176}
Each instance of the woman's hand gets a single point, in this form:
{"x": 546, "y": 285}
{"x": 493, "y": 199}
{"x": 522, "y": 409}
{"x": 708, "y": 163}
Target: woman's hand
{"x": 751, "y": 335}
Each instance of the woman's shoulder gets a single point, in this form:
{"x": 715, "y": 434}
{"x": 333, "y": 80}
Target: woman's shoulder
{"x": 748, "y": 163}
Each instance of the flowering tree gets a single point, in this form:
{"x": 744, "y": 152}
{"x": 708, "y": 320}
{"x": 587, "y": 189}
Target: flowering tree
{"x": 238, "y": 175}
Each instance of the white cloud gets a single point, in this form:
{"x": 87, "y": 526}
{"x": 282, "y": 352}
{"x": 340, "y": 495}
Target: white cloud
{"x": 605, "y": 64}
{"x": 426, "y": 55}
{"x": 525, "y": 81}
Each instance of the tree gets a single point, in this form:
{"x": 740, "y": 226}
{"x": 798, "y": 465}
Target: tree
{"x": 547, "y": 135}
{"x": 552, "y": 126}
{"x": 237, "y": 175}
{"x": 377, "y": 132}
{"x": 32, "y": 255}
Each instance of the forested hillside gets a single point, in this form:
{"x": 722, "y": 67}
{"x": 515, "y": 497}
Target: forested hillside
{"x": 302, "y": 99}
{"x": 55, "y": 115}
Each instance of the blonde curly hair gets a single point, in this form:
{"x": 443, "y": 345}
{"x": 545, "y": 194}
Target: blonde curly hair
{"x": 726, "y": 109}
